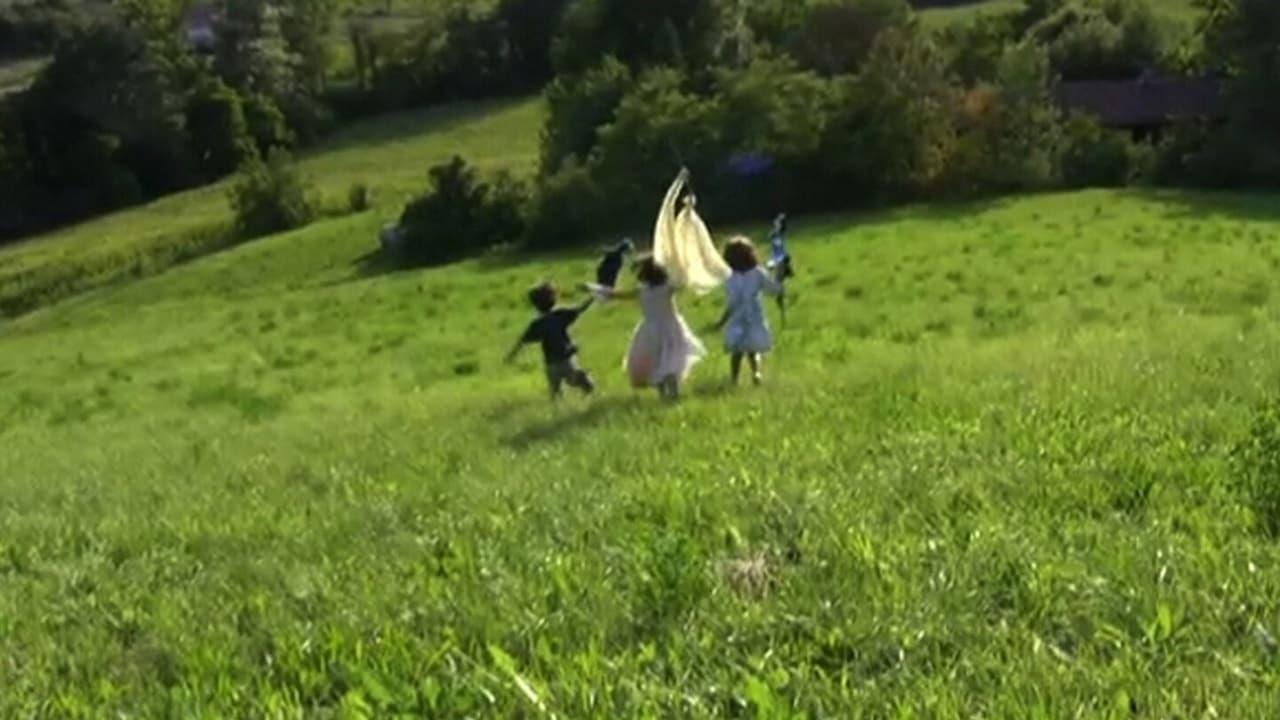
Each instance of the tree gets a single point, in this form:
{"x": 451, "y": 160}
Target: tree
{"x": 530, "y": 27}
{"x": 891, "y": 133}
{"x": 217, "y": 128}
{"x": 460, "y": 215}
{"x": 577, "y": 108}
{"x": 271, "y": 197}
{"x": 639, "y": 33}
{"x": 1012, "y": 136}
{"x": 1242, "y": 38}
{"x": 837, "y": 37}
{"x": 307, "y": 27}
{"x": 1111, "y": 39}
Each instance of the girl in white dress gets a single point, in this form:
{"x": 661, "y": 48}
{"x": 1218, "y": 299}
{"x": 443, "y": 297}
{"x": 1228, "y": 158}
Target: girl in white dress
{"x": 663, "y": 348}
{"x": 746, "y": 329}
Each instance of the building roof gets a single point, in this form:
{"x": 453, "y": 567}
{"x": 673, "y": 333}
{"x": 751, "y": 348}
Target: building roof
{"x": 1143, "y": 102}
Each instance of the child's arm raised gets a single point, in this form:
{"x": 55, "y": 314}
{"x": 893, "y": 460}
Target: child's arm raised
{"x": 610, "y": 293}
{"x": 769, "y": 283}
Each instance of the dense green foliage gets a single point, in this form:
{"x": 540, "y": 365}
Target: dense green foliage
{"x": 271, "y": 197}
{"x": 888, "y": 110}
{"x": 460, "y": 215}
{"x": 997, "y": 469}
{"x": 390, "y": 155}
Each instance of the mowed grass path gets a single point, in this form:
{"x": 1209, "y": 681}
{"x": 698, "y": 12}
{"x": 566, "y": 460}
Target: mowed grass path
{"x": 390, "y": 154}
{"x": 988, "y": 475}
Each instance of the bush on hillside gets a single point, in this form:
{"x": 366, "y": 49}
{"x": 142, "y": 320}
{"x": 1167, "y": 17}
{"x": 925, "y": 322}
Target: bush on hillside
{"x": 568, "y": 209}
{"x": 837, "y": 37}
{"x": 659, "y": 126}
{"x": 266, "y": 124}
{"x": 974, "y": 49}
{"x": 217, "y": 129}
{"x": 891, "y": 133}
{"x": 681, "y": 34}
{"x": 358, "y": 198}
{"x": 271, "y": 197}
{"x": 1010, "y": 132}
{"x": 577, "y": 107}
{"x": 769, "y": 110}
{"x": 460, "y": 216}
{"x": 1095, "y": 157}
{"x": 1109, "y": 40}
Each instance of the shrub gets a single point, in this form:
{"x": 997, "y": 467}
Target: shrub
{"x": 358, "y": 198}
{"x": 1111, "y": 39}
{"x": 1094, "y": 157}
{"x": 460, "y": 216}
{"x": 890, "y": 135}
{"x": 974, "y": 49}
{"x": 1011, "y": 135}
{"x": 569, "y": 208}
{"x": 266, "y": 123}
{"x": 578, "y": 107}
{"x": 659, "y": 125}
{"x": 271, "y": 197}
{"x": 641, "y": 33}
{"x": 837, "y": 37}
{"x": 217, "y": 129}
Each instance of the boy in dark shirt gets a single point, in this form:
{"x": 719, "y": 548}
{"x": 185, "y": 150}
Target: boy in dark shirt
{"x": 551, "y": 330}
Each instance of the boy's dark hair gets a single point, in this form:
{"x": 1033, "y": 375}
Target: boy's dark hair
{"x": 543, "y": 297}
{"x": 650, "y": 272}
{"x": 740, "y": 255}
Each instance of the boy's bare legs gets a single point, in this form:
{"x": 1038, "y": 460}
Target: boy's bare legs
{"x": 735, "y": 366}
{"x": 754, "y": 359}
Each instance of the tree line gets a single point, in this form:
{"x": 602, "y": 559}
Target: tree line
{"x": 817, "y": 107}
{"x": 772, "y": 103}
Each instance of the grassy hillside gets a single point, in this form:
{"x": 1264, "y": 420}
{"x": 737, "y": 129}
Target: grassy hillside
{"x": 391, "y": 154}
{"x": 989, "y": 475}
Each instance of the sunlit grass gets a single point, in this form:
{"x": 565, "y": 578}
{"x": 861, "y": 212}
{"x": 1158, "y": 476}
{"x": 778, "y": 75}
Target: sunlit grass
{"x": 988, "y": 475}
{"x": 390, "y": 154}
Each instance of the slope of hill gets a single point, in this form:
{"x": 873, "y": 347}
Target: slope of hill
{"x": 390, "y": 154}
{"x": 990, "y": 474}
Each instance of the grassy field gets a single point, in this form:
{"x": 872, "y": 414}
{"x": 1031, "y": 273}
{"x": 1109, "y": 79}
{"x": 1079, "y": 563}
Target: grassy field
{"x": 989, "y": 475}
{"x": 390, "y": 154}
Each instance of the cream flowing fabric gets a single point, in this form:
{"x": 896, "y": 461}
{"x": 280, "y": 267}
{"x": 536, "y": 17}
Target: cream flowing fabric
{"x": 682, "y": 244}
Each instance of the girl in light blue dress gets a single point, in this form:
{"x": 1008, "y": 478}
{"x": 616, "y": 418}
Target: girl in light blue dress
{"x": 746, "y": 329}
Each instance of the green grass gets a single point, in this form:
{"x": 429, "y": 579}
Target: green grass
{"x": 988, "y": 476}
{"x": 390, "y": 154}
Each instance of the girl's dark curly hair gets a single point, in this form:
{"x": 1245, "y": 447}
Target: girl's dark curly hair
{"x": 650, "y": 272}
{"x": 740, "y": 255}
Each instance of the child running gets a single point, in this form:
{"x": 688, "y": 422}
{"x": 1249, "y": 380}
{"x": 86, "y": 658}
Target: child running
{"x": 551, "y": 329}
{"x": 663, "y": 349}
{"x": 746, "y": 330}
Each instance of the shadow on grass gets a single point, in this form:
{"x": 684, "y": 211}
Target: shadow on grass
{"x": 376, "y": 263}
{"x": 1204, "y": 205}
{"x": 569, "y": 420}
